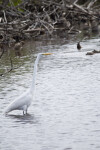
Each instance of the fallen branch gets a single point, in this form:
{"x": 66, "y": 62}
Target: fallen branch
{"x": 91, "y": 4}
{"x": 11, "y": 68}
{"x": 80, "y": 8}
{"x": 5, "y": 19}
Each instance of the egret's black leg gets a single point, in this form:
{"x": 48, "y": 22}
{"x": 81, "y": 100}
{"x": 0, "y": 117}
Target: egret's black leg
{"x": 23, "y": 112}
{"x": 26, "y": 111}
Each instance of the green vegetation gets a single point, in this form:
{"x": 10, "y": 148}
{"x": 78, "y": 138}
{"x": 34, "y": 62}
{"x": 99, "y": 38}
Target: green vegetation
{"x": 16, "y": 2}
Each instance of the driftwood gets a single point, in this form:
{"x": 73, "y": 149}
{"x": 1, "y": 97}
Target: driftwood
{"x": 43, "y": 18}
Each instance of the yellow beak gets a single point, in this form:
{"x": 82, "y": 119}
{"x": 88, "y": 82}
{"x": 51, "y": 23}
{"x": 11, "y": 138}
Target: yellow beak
{"x": 46, "y": 53}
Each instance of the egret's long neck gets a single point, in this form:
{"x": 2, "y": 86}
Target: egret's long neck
{"x": 34, "y": 73}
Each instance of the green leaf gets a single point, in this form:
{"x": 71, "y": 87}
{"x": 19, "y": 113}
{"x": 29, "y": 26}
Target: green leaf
{"x": 16, "y": 2}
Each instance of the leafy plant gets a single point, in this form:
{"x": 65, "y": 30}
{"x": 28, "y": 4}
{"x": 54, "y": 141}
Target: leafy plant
{"x": 15, "y": 2}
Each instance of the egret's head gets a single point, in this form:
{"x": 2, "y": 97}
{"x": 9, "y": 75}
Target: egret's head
{"x": 46, "y": 53}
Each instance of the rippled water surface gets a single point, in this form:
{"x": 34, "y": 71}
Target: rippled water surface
{"x": 65, "y": 113}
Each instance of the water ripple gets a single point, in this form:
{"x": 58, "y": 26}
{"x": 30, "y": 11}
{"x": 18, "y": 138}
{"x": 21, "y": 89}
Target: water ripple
{"x": 64, "y": 114}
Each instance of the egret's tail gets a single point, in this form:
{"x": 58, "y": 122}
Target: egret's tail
{"x": 8, "y": 109}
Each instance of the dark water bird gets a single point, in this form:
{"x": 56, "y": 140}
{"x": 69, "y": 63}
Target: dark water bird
{"x": 78, "y": 46}
{"x": 23, "y": 101}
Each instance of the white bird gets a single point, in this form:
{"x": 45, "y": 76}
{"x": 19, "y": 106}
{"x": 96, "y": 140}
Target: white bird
{"x": 23, "y": 101}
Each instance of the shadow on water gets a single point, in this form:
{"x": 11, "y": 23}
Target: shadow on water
{"x": 24, "y": 119}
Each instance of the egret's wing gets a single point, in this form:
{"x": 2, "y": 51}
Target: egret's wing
{"x": 19, "y": 102}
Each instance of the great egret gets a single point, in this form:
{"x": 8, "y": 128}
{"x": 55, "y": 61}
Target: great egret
{"x": 23, "y": 101}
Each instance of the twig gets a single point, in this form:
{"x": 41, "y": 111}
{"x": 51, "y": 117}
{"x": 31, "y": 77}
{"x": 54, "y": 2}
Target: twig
{"x": 75, "y": 1}
{"x": 91, "y": 4}
{"x": 71, "y": 29}
{"x": 5, "y": 16}
{"x": 81, "y": 8}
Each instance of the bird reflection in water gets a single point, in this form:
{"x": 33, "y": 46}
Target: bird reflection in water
{"x": 26, "y": 119}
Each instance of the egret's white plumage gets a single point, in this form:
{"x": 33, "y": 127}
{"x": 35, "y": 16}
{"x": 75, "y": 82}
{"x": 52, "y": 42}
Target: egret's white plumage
{"x": 24, "y": 100}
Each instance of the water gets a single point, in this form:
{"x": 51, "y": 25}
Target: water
{"x": 65, "y": 113}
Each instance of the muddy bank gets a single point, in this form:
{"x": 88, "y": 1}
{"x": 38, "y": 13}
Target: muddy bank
{"x": 45, "y": 19}
{"x": 30, "y": 19}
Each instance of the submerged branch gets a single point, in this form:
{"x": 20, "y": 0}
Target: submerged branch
{"x": 12, "y": 68}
